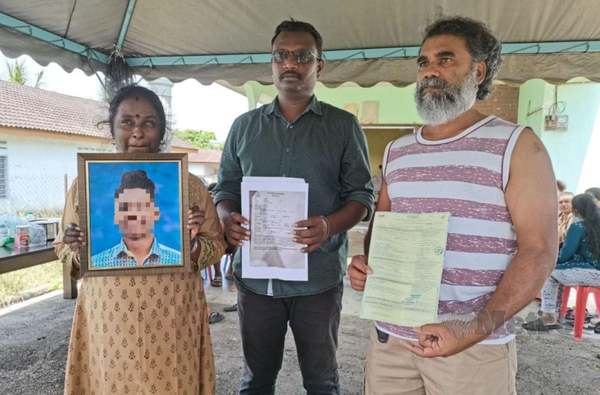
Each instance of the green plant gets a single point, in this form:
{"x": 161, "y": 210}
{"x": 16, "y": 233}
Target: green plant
{"x": 199, "y": 138}
{"x": 17, "y": 73}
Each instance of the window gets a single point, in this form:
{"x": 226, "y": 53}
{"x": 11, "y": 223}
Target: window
{"x": 3, "y": 177}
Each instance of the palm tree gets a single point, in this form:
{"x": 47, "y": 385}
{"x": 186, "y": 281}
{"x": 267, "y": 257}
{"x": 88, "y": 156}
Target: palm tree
{"x": 17, "y": 73}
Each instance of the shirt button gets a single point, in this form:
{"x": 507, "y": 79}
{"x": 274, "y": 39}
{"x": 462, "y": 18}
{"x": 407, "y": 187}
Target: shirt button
{"x": 291, "y": 126}
{"x": 283, "y": 175}
{"x": 287, "y": 150}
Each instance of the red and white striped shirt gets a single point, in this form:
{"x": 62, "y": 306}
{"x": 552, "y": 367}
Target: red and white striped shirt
{"x": 465, "y": 175}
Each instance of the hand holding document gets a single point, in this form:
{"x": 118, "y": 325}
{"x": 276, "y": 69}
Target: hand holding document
{"x": 273, "y": 205}
{"x": 407, "y": 257}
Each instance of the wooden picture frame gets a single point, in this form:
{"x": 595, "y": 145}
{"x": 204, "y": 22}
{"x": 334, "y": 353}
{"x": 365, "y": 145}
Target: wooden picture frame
{"x": 120, "y": 212}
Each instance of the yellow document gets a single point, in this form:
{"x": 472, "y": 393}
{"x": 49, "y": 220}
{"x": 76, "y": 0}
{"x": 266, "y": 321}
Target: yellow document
{"x": 407, "y": 257}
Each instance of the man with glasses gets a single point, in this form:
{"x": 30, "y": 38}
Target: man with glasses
{"x": 296, "y": 136}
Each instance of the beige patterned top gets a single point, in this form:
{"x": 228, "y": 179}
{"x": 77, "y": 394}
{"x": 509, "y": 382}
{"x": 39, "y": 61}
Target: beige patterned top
{"x": 143, "y": 334}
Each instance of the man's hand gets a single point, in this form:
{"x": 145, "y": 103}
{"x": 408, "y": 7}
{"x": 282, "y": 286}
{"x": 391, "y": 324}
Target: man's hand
{"x": 358, "y": 271}
{"x": 195, "y": 220}
{"x": 235, "y": 234}
{"x": 445, "y": 339}
{"x": 73, "y": 237}
{"x": 316, "y": 231}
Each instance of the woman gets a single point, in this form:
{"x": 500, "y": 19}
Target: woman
{"x": 146, "y": 333}
{"x": 578, "y": 260}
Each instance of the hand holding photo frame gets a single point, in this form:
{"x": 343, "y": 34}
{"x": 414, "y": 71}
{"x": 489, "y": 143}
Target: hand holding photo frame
{"x": 134, "y": 213}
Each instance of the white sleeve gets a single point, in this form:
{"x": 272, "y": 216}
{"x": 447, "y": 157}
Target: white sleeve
{"x": 384, "y": 160}
{"x": 510, "y": 146}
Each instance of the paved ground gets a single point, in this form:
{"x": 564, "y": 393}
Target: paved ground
{"x": 34, "y": 338}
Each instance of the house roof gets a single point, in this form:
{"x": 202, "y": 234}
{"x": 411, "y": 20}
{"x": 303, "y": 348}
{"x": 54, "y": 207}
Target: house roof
{"x": 38, "y": 109}
{"x": 205, "y": 156}
{"x": 179, "y": 143}
{"x": 32, "y": 108}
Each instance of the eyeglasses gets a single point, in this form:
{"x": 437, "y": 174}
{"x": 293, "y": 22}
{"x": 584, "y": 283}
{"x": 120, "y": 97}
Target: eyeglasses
{"x": 302, "y": 56}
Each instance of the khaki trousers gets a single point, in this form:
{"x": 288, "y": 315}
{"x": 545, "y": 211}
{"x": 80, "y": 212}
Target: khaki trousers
{"x": 481, "y": 369}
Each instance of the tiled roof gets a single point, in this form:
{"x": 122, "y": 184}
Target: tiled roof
{"x": 32, "y": 108}
{"x": 38, "y": 109}
{"x": 205, "y": 156}
{"x": 177, "y": 142}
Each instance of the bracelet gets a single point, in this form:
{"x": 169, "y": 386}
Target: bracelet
{"x": 326, "y": 220}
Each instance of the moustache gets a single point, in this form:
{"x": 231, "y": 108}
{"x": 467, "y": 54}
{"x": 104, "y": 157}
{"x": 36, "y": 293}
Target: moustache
{"x": 433, "y": 82}
{"x": 290, "y": 74}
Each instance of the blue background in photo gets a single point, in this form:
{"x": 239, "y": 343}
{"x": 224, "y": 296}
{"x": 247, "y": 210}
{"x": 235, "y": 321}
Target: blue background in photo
{"x": 105, "y": 178}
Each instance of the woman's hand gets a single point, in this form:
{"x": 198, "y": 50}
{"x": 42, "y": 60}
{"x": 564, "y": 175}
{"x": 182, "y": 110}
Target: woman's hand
{"x": 74, "y": 237}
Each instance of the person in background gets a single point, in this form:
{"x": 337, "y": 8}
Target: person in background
{"x": 564, "y": 214}
{"x": 578, "y": 261}
{"x": 217, "y": 278}
{"x": 595, "y": 192}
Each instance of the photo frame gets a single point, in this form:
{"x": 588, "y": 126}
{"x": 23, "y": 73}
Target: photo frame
{"x": 133, "y": 213}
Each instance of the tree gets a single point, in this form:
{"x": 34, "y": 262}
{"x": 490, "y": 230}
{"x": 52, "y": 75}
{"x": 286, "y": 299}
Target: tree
{"x": 17, "y": 73}
{"x": 199, "y": 138}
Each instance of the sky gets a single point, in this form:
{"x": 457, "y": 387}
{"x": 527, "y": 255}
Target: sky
{"x": 195, "y": 106}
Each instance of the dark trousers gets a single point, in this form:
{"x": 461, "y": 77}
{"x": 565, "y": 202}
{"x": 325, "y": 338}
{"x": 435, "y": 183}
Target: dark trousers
{"x": 314, "y": 321}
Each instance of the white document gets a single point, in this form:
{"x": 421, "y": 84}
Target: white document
{"x": 273, "y": 205}
{"x": 407, "y": 258}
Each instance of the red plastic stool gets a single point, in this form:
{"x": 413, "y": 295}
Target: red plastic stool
{"x": 580, "y": 303}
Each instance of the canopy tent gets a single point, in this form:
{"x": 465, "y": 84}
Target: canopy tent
{"x": 366, "y": 41}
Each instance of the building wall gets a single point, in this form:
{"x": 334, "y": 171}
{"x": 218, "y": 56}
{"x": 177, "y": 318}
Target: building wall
{"x": 206, "y": 171}
{"x": 37, "y": 164}
{"x": 377, "y": 140}
{"x": 385, "y": 103}
{"x": 575, "y": 151}
{"x": 504, "y": 103}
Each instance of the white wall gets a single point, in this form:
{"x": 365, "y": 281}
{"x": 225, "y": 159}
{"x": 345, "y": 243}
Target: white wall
{"x": 207, "y": 171}
{"x": 37, "y": 165}
{"x": 574, "y": 152}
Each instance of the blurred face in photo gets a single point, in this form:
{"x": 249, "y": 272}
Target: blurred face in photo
{"x": 136, "y": 213}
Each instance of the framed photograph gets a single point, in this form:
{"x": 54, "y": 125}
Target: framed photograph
{"x": 133, "y": 213}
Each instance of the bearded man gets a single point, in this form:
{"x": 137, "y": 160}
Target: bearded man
{"x": 496, "y": 180}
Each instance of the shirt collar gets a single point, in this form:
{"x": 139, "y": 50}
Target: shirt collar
{"x": 122, "y": 249}
{"x": 314, "y": 105}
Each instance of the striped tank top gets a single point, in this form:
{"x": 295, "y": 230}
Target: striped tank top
{"x": 465, "y": 175}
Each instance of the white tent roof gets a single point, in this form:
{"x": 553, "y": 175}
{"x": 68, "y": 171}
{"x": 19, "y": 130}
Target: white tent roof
{"x": 365, "y": 41}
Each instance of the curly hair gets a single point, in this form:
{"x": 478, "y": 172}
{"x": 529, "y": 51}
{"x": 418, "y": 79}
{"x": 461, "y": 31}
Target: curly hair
{"x": 481, "y": 44}
{"x": 585, "y": 206}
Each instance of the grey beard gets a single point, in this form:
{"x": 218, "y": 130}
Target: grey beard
{"x": 451, "y": 102}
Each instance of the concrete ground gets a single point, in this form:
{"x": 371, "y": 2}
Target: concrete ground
{"x": 34, "y": 338}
